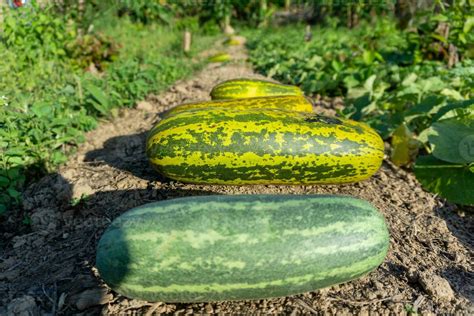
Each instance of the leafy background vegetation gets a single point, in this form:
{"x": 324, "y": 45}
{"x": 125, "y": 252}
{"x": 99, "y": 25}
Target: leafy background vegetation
{"x": 56, "y": 83}
{"x": 406, "y": 71}
{"x": 403, "y": 82}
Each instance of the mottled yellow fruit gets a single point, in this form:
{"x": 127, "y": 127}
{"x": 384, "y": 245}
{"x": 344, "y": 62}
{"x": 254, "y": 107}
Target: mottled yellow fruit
{"x": 225, "y": 146}
{"x": 251, "y": 88}
{"x": 219, "y": 58}
{"x": 290, "y": 103}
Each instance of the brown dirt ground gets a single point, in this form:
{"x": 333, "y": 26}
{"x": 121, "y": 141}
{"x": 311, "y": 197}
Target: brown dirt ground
{"x": 50, "y": 268}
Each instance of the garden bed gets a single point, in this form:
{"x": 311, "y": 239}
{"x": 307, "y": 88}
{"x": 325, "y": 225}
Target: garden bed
{"x": 50, "y": 267}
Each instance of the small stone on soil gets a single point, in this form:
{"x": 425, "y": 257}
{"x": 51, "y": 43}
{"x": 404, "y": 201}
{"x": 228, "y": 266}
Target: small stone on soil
{"x": 81, "y": 190}
{"x": 19, "y": 241}
{"x": 181, "y": 89}
{"x": 436, "y": 286}
{"x": 91, "y": 297}
{"x": 23, "y": 306}
{"x": 145, "y": 106}
{"x": 10, "y": 275}
{"x": 44, "y": 219}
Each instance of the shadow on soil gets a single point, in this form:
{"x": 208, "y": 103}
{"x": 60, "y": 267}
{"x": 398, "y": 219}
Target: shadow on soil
{"x": 127, "y": 153}
{"x": 66, "y": 234}
{"x": 461, "y": 280}
{"x": 462, "y": 227}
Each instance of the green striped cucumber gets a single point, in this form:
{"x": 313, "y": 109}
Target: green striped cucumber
{"x": 223, "y": 146}
{"x": 213, "y": 248}
{"x": 250, "y": 88}
{"x": 290, "y": 103}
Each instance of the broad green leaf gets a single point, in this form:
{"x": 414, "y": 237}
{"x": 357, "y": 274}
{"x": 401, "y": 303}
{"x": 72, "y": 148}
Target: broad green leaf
{"x": 451, "y": 181}
{"x": 4, "y": 182}
{"x": 337, "y": 66}
{"x": 13, "y": 193}
{"x": 452, "y": 140}
{"x": 413, "y": 89}
{"x": 468, "y": 24}
{"x": 58, "y": 157}
{"x": 368, "y": 57}
{"x": 13, "y": 173}
{"x": 409, "y": 80}
{"x": 440, "y": 18}
{"x": 369, "y": 84}
{"x": 450, "y": 110}
{"x": 15, "y": 152}
{"x": 42, "y": 109}
{"x": 423, "y": 136}
{"x": 370, "y": 108}
{"x": 456, "y": 112}
{"x": 453, "y": 94}
{"x": 357, "y": 92}
{"x": 432, "y": 84}
{"x": 460, "y": 113}
{"x": 350, "y": 82}
{"x": 358, "y": 106}
{"x": 439, "y": 37}
{"x": 98, "y": 95}
{"x": 379, "y": 57}
{"x": 69, "y": 89}
{"x": 425, "y": 108}
{"x": 316, "y": 60}
{"x": 380, "y": 90}
{"x": 98, "y": 106}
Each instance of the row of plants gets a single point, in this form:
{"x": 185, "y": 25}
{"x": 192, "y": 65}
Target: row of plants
{"x": 398, "y": 81}
{"x": 209, "y": 14}
{"x": 57, "y": 84}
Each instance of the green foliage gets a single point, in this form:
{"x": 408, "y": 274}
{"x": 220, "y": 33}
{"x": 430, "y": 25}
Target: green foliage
{"x": 47, "y": 102}
{"x": 216, "y": 10}
{"x": 78, "y": 200}
{"x": 435, "y": 32}
{"x": 411, "y": 310}
{"x": 212, "y": 13}
{"x": 255, "y": 13}
{"x": 415, "y": 95}
{"x": 333, "y": 62}
{"x": 449, "y": 169}
{"x": 92, "y": 49}
{"x": 37, "y": 33}
{"x": 11, "y": 179}
{"x": 146, "y": 11}
{"x": 452, "y": 140}
{"x": 451, "y": 181}
{"x": 421, "y": 105}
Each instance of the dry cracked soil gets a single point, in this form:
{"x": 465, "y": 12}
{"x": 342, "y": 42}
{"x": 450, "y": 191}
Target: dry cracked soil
{"x": 49, "y": 268}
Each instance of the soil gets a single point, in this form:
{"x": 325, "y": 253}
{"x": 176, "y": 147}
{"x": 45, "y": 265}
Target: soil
{"x": 49, "y": 268}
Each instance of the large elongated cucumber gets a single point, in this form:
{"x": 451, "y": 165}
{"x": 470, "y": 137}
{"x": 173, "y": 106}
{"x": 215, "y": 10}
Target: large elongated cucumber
{"x": 250, "y": 88}
{"x": 222, "y": 146}
{"x": 240, "y": 247}
{"x": 290, "y": 103}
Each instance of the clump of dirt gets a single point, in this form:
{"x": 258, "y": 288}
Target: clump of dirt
{"x": 51, "y": 268}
